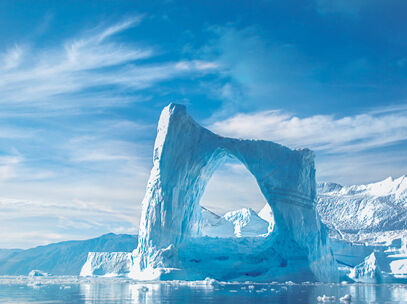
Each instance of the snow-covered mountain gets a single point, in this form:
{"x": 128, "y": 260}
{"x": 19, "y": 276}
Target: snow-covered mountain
{"x": 368, "y": 226}
{"x": 64, "y": 258}
{"x": 244, "y": 222}
{"x": 247, "y": 223}
{"x": 373, "y": 213}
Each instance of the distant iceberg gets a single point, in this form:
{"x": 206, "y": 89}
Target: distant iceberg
{"x": 247, "y": 223}
{"x": 38, "y": 273}
{"x": 109, "y": 264}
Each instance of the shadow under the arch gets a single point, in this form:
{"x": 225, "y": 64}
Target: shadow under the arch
{"x": 221, "y": 252}
{"x": 257, "y": 258}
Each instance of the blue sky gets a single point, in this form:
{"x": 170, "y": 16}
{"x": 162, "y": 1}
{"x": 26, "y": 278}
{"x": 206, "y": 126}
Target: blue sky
{"x": 82, "y": 84}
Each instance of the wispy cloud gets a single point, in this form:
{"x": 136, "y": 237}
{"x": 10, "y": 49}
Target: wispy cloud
{"x": 28, "y": 223}
{"x": 11, "y": 58}
{"x": 78, "y": 65}
{"x": 320, "y": 132}
{"x": 362, "y": 167}
{"x": 8, "y": 166}
{"x": 119, "y": 27}
{"x": 353, "y": 149}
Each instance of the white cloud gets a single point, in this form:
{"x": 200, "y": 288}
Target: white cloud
{"x": 8, "y": 166}
{"x": 92, "y": 173}
{"x": 74, "y": 210}
{"x": 361, "y": 167}
{"x": 39, "y": 76}
{"x": 66, "y": 169}
{"x": 11, "y": 58}
{"x": 94, "y": 149}
{"x": 319, "y": 132}
{"x": 119, "y": 27}
{"x": 349, "y": 150}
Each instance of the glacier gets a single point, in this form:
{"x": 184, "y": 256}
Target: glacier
{"x": 176, "y": 240}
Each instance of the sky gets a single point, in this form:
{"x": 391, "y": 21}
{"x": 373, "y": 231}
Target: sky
{"x": 82, "y": 85}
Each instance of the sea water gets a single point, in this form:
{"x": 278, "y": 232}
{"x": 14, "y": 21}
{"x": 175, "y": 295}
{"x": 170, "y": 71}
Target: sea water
{"x": 120, "y": 290}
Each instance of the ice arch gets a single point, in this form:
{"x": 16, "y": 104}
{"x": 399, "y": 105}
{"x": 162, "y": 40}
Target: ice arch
{"x": 185, "y": 157}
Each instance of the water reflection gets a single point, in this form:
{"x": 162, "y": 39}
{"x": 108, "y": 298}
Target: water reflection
{"x": 198, "y": 292}
{"x": 145, "y": 293}
{"x": 107, "y": 291}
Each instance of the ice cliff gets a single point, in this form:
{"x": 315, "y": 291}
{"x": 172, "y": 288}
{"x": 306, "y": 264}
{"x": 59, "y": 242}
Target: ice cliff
{"x": 174, "y": 242}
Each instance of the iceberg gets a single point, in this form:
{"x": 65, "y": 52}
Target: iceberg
{"x": 108, "y": 264}
{"x": 174, "y": 242}
{"x": 213, "y": 225}
{"x": 267, "y": 214}
{"x": 244, "y": 222}
{"x": 37, "y": 273}
{"x": 247, "y": 223}
{"x": 368, "y": 271}
{"x": 304, "y": 232}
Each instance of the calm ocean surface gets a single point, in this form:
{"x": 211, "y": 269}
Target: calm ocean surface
{"x": 113, "y": 290}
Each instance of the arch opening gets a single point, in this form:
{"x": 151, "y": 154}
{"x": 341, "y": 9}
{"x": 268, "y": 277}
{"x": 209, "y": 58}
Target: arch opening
{"x": 232, "y": 203}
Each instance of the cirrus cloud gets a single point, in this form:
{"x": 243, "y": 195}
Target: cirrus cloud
{"x": 65, "y": 75}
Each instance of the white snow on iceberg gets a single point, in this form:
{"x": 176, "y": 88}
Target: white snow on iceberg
{"x": 247, "y": 223}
